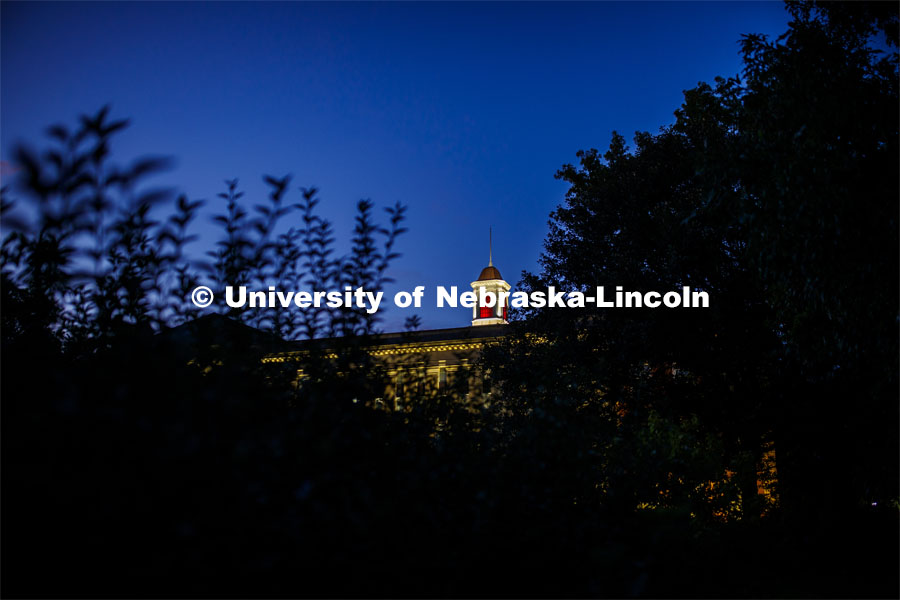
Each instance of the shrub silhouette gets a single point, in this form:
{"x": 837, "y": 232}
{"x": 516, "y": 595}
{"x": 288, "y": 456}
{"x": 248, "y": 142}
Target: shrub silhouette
{"x": 149, "y": 452}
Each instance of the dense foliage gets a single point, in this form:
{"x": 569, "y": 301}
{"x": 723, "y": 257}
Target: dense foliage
{"x": 775, "y": 192}
{"x": 150, "y": 453}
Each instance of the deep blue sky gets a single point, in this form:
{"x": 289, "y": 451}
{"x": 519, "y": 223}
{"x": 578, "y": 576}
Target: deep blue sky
{"x": 462, "y": 111}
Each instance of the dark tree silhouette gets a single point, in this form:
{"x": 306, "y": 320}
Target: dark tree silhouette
{"x": 148, "y": 450}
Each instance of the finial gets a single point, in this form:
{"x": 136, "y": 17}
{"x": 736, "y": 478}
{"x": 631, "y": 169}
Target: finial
{"x": 490, "y": 247}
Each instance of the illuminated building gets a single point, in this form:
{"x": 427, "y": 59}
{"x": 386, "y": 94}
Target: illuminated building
{"x": 421, "y": 362}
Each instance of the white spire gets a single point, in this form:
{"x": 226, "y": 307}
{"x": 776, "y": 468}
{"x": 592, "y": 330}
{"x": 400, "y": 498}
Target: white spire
{"x": 490, "y": 247}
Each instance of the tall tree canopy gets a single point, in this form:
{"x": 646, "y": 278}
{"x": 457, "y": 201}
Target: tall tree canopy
{"x": 776, "y": 192}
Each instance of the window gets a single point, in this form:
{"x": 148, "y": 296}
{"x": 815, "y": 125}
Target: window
{"x": 442, "y": 377}
{"x": 398, "y": 388}
{"x": 504, "y": 313}
{"x": 485, "y": 312}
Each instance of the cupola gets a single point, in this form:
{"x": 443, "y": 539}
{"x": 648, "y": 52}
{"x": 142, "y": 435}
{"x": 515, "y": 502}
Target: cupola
{"x": 490, "y": 280}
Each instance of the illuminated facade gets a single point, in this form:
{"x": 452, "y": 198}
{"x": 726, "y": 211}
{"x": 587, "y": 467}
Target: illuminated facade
{"x": 414, "y": 363}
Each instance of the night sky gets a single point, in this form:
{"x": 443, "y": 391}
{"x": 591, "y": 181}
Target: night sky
{"x": 463, "y": 112}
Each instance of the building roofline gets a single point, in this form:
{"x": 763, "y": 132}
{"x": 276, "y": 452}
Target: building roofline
{"x": 467, "y": 333}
